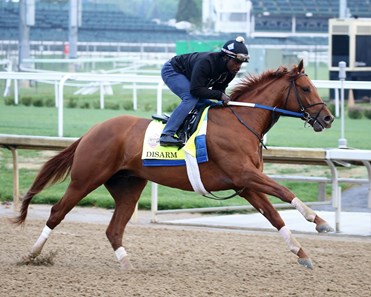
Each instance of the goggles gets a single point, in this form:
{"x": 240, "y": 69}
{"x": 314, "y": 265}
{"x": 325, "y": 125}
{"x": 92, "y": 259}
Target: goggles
{"x": 239, "y": 57}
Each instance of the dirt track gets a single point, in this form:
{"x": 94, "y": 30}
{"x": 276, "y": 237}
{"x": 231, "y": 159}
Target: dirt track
{"x": 173, "y": 261}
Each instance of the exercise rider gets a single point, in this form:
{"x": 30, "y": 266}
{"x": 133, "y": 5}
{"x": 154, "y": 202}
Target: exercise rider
{"x": 197, "y": 77}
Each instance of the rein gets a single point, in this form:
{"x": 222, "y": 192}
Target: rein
{"x": 302, "y": 114}
{"x": 285, "y": 112}
{"x": 261, "y": 106}
{"x": 247, "y": 127}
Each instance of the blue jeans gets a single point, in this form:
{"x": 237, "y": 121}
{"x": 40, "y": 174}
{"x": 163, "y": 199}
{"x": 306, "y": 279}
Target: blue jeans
{"x": 180, "y": 86}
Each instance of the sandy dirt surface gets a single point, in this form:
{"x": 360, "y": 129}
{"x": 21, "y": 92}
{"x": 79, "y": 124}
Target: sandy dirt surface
{"x": 181, "y": 261}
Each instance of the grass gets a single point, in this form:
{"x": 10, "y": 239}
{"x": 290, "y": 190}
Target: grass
{"x": 32, "y": 120}
{"x": 292, "y": 133}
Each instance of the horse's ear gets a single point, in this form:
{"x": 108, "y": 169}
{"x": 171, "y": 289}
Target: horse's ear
{"x": 301, "y": 66}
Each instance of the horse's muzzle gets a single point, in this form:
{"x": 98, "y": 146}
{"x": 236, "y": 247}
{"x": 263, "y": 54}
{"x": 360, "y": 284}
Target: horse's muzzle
{"x": 322, "y": 122}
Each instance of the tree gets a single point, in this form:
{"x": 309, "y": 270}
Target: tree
{"x": 188, "y": 11}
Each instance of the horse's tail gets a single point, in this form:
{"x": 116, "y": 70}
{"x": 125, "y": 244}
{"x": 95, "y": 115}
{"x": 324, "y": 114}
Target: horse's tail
{"x": 54, "y": 170}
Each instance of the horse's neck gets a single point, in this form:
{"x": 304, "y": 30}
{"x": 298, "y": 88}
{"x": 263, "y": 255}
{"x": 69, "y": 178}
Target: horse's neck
{"x": 268, "y": 96}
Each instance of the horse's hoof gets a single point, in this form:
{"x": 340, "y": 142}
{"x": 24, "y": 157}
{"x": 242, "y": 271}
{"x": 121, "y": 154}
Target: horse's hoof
{"x": 306, "y": 262}
{"x": 26, "y": 260}
{"x": 324, "y": 228}
{"x": 125, "y": 264}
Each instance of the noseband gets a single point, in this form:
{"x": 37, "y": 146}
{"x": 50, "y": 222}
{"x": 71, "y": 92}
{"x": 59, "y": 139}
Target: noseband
{"x": 306, "y": 115}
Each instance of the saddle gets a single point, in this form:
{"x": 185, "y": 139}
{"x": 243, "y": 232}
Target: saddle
{"x": 189, "y": 125}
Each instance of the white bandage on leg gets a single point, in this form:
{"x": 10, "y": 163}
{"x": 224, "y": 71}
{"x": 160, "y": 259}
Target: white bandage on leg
{"x": 43, "y": 237}
{"x": 292, "y": 243}
{"x": 46, "y": 232}
{"x": 120, "y": 253}
{"x": 307, "y": 213}
{"x": 36, "y": 249}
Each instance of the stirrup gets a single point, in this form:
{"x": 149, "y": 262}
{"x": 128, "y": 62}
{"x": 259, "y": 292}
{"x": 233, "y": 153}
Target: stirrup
{"x": 162, "y": 118}
{"x": 168, "y": 140}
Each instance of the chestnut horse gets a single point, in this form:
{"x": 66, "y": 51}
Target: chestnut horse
{"x": 110, "y": 154}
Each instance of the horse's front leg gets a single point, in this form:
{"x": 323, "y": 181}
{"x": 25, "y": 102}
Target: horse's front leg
{"x": 259, "y": 182}
{"x": 321, "y": 225}
{"x": 261, "y": 203}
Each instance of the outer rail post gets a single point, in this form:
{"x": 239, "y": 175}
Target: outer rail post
{"x": 335, "y": 183}
{"x": 338, "y": 211}
{"x": 101, "y": 95}
{"x": 154, "y": 201}
{"x": 60, "y": 103}
{"x": 342, "y": 142}
{"x": 368, "y": 166}
{"x": 16, "y": 93}
{"x": 15, "y": 177}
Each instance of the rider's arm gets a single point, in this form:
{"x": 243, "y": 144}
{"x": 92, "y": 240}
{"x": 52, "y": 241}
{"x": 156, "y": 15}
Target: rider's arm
{"x": 201, "y": 80}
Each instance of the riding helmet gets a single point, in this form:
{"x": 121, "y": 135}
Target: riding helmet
{"x": 236, "y": 49}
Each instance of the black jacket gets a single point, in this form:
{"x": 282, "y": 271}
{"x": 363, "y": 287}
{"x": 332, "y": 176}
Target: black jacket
{"x": 204, "y": 70}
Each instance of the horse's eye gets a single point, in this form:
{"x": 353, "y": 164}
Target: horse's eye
{"x": 305, "y": 89}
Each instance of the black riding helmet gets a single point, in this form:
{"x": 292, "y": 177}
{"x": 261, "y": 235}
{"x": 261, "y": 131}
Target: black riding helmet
{"x": 236, "y": 49}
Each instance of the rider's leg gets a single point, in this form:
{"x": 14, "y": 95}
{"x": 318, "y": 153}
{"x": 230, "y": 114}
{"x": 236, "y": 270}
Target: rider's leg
{"x": 180, "y": 86}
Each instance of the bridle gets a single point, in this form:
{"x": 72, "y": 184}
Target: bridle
{"x": 303, "y": 114}
{"x": 306, "y": 115}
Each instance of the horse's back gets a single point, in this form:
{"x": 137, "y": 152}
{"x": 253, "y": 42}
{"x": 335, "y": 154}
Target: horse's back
{"x": 126, "y": 126}
{"x": 112, "y": 142}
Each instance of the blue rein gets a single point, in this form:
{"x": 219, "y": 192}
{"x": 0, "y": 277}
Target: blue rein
{"x": 281, "y": 111}
{"x": 261, "y": 106}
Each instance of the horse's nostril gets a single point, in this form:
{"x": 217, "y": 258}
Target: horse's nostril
{"x": 329, "y": 119}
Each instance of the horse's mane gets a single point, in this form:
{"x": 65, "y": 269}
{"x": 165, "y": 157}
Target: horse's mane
{"x": 250, "y": 82}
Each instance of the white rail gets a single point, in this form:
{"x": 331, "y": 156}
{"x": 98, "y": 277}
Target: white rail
{"x": 151, "y": 81}
{"x": 308, "y": 156}
{"x": 60, "y": 79}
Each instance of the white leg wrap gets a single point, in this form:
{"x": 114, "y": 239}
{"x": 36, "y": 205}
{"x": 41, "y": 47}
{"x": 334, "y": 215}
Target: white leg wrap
{"x": 36, "y": 249}
{"x": 307, "y": 213}
{"x": 120, "y": 253}
{"x": 292, "y": 243}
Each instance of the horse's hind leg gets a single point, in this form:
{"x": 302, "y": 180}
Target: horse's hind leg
{"x": 74, "y": 193}
{"x": 126, "y": 191}
{"x": 261, "y": 203}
